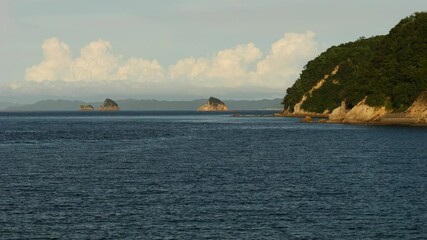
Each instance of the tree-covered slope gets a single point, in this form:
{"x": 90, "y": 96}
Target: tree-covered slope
{"x": 389, "y": 70}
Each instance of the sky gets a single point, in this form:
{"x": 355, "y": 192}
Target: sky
{"x": 175, "y": 49}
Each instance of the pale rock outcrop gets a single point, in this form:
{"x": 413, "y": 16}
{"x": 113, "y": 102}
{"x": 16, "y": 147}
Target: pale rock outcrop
{"x": 338, "y": 114}
{"x": 364, "y": 113}
{"x": 307, "y": 119}
{"x": 297, "y": 108}
{"x": 418, "y": 109}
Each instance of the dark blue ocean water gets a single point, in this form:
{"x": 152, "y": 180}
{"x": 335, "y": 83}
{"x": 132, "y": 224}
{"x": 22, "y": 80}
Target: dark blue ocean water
{"x": 188, "y": 175}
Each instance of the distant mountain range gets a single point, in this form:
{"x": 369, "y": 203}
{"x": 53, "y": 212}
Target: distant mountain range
{"x": 142, "y": 104}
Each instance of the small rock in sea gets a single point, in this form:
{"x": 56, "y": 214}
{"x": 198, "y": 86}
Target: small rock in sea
{"x": 307, "y": 119}
{"x": 86, "y": 108}
{"x": 109, "y": 105}
{"x": 213, "y": 104}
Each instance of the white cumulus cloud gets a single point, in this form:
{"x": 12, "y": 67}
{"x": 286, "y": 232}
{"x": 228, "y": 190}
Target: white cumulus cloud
{"x": 226, "y": 69}
{"x": 96, "y": 62}
{"x": 286, "y": 58}
{"x": 140, "y": 69}
{"x": 245, "y": 66}
{"x": 55, "y": 65}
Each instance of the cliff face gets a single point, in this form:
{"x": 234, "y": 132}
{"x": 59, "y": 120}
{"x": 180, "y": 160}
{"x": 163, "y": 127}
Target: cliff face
{"x": 418, "y": 109}
{"x": 213, "y": 104}
{"x": 362, "y": 113}
{"x": 109, "y": 105}
{"x": 86, "y": 108}
{"x": 358, "y": 114}
{"x": 338, "y": 114}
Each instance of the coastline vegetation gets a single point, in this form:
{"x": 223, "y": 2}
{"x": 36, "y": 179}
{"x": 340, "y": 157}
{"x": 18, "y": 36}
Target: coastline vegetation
{"x": 389, "y": 70}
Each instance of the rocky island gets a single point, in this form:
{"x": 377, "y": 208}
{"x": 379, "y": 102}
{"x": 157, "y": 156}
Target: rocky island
{"x": 213, "y": 104}
{"x": 109, "y": 105}
{"x": 86, "y": 108}
{"x": 377, "y": 80}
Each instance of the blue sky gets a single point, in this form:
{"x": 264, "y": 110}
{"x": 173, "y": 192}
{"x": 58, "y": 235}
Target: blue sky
{"x": 241, "y": 49}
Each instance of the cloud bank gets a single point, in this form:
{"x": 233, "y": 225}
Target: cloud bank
{"x": 95, "y": 63}
{"x": 242, "y": 68}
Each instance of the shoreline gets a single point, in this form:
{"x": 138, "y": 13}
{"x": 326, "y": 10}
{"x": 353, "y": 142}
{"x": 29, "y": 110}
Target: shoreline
{"x": 387, "y": 120}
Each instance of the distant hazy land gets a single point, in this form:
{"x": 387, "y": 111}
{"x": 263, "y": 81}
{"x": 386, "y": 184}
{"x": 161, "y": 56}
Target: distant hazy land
{"x": 4, "y": 105}
{"x": 141, "y": 105}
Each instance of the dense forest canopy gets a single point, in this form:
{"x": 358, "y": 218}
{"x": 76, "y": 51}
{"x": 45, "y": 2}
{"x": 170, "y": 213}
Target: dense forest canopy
{"x": 388, "y": 70}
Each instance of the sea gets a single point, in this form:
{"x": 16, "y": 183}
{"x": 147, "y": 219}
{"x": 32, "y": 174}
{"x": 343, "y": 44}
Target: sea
{"x": 192, "y": 175}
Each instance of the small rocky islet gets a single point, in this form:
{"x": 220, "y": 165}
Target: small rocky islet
{"x": 213, "y": 104}
{"x": 108, "y": 105}
{"x": 87, "y": 108}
